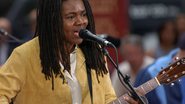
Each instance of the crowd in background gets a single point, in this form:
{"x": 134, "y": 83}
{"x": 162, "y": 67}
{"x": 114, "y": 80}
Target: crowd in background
{"x": 18, "y": 18}
{"x": 167, "y": 48}
{"x": 143, "y": 55}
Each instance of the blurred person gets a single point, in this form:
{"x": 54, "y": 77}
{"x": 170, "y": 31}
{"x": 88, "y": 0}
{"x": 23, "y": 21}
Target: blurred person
{"x": 150, "y": 43}
{"x": 181, "y": 54}
{"x": 166, "y": 94}
{"x": 167, "y": 36}
{"x": 4, "y": 45}
{"x": 134, "y": 58}
{"x": 58, "y": 66}
{"x": 180, "y": 24}
{"x": 15, "y": 12}
{"x": 19, "y": 19}
{"x": 183, "y": 90}
{"x": 33, "y": 19}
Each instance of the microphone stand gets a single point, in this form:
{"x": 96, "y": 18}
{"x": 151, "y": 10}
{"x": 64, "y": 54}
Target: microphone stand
{"x": 125, "y": 78}
{"x": 5, "y": 33}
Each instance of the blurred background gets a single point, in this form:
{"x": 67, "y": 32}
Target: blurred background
{"x": 116, "y": 18}
{"x": 158, "y": 22}
{"x": 18, "y": 18}
{"x": 142, "y": 30}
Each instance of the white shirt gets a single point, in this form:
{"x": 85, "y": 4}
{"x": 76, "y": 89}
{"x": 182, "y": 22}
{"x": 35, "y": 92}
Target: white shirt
{"x": 72, "y": 80}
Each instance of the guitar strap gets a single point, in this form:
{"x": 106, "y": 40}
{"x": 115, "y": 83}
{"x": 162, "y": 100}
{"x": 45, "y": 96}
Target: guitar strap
{"x": 89, "y": 82}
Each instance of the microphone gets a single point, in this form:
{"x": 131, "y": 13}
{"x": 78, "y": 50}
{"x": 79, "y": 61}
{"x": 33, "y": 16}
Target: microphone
{"x": 87, "y": 35}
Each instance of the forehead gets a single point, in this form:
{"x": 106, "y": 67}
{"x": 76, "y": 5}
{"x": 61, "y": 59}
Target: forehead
{"x": 73, "y": 5}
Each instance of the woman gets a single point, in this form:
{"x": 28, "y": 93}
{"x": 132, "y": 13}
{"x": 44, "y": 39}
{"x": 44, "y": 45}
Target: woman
{"x": 52, "y": 67}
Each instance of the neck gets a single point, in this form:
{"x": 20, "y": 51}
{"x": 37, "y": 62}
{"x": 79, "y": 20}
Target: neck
{"x": 70, "y": 47}
{"x": 167, "y": 47}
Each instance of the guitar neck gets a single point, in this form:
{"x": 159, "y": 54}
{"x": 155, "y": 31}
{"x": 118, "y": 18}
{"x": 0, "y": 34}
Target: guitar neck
{"x": 141, "y": 90}
{"x": 147, "y": 86}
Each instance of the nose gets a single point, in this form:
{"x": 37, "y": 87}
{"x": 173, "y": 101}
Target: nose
{"x": 81, "y": 20}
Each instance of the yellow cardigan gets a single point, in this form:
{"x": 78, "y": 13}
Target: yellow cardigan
{"x": 22, "y": 81}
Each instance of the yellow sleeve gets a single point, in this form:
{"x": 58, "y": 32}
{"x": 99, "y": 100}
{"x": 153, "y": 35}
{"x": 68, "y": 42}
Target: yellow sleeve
{"x": 109, "y": 90}
{"x": 13, "y": 75}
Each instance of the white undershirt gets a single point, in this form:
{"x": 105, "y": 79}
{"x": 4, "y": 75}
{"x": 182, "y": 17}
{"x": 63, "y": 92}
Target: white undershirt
{"x": 72, "y": 80}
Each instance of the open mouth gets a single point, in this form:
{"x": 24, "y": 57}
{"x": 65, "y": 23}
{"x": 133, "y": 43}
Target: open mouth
{"x": 76, "y": 33}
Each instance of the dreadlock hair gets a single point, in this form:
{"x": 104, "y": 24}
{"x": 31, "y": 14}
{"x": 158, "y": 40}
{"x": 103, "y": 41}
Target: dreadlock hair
{"x": 94, "y": 57}
{"x": 52, "y": 41}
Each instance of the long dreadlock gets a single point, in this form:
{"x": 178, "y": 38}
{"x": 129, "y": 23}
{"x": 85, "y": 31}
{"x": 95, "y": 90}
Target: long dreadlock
{"x": 52, "y": 41}
{"x": 94, "y": 58}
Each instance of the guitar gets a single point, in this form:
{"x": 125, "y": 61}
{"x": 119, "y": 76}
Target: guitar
{"x": 165, "y": 76}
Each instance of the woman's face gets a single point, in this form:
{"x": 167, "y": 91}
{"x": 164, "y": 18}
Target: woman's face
{"x": 74, "y": 18}
{"x": 168, "y": 34}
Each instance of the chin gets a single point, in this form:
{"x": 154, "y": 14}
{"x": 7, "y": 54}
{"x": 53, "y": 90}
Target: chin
{"x": 79, "y": 41}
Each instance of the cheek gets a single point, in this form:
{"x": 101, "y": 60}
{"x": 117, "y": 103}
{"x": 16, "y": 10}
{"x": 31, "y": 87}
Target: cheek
{"x": 68, "y": 32}
{"x": 67, "y": 35}
{"x": 67, "y": 27}
{"x": 86, "y": 21}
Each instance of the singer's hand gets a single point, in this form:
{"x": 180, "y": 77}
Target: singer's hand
{"x": 130, "y": 100}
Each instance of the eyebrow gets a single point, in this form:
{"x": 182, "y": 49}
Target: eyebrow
{"x": 75, "y": 12}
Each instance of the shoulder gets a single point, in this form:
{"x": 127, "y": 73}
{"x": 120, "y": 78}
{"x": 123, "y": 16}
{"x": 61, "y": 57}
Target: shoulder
{"x": 27, "y": 51}
{"x": 164, "y": 61}
{"x": 29, "y": 47}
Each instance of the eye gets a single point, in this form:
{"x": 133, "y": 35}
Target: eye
{"x": 84, "y": 14}
{"x": 70, "y": 17}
